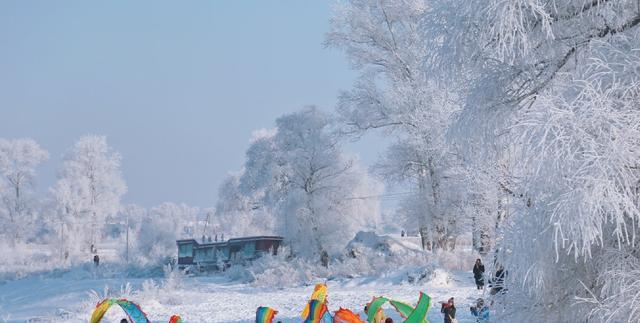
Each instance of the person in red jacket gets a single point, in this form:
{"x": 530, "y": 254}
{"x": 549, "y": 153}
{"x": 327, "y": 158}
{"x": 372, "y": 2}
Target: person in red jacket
{"x": 449, "y": 310}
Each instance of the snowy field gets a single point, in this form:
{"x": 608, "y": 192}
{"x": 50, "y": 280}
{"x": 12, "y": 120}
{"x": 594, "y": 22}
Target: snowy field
{"x": 213, "y": 299}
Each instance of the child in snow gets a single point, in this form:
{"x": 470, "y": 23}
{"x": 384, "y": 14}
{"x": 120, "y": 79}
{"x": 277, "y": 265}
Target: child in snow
{"x": 478, "y": 273}
{"x": 480, "y": 311}
{"x": 449, "y": 311}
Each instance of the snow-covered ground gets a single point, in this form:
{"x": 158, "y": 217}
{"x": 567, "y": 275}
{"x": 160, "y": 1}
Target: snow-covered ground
{"x": 214, "y": 299}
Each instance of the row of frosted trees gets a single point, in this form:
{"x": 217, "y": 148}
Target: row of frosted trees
{"x": 73, "y": 216}
{"x": 530, "y": 109}
{"x": 87, "y": 191}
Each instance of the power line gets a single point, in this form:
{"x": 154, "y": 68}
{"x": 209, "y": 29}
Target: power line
{"x": 382, "y": 196}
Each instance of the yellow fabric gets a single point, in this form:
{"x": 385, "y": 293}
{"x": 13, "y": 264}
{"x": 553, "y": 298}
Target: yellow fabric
{"x": 319, "y": 294}
{"x": 100, "y": 310}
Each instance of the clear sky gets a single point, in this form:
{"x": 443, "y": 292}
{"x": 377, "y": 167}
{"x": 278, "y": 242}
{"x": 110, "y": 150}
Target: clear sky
{"x": 176, "y": 86}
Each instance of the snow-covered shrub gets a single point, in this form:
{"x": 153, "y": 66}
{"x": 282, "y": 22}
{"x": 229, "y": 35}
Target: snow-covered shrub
{"x": 172, "y": 277}
{"x": 21, "y": 259}
{"x": 277, "y": 271}
{"x": 173, "y": 281}
{"x": 369, "y": 254}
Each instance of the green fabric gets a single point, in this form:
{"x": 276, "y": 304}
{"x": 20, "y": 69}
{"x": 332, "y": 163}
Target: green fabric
{"x": 403, "y": 308}
{"x": 374, "y": 307}
{"x": 419, "y": 314}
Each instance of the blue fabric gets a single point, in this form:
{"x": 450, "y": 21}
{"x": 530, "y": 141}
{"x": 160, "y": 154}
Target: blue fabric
{"x": 134, "y": 312}
{"x": 482, "y": 315}
{"x": 327, "y": 318}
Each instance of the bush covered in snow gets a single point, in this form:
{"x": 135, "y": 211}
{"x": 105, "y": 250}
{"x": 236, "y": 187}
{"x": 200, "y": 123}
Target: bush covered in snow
{"x": 367, "y": 255}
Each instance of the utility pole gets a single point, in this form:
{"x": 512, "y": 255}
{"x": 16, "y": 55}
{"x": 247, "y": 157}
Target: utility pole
{"x": 62, "y": 240}
{"x": 127, "y": 255}
{"x": 206, "y": 223}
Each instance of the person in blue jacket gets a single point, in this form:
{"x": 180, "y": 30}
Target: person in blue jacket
{"x": 480, "y": 311}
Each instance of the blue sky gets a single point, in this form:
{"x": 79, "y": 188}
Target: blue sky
{"x": 176, "y": 86}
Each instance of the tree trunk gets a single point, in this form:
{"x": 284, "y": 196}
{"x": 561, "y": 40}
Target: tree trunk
{"x": 425, "y": 237}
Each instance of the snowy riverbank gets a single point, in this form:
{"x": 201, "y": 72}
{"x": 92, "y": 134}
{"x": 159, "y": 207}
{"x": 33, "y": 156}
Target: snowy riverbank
{"x": 213, "y": 299}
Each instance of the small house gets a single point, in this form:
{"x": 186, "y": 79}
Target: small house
{"x": 213, "y": 255}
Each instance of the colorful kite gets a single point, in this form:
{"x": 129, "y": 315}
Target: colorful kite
{"x": 317, "y": 312}
{"x": 419, "y": 314}
{"x": 406, "y": 311}
{"x": 375, "y": 314}
{"x": 403, "y": 308}
{"x": 319, "y": 294}
{"x": 265, "y": 314}
{"x": 346, "y": 316}
{"x": 133, "y": 311}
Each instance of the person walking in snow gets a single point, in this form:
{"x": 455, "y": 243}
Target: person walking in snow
{"x": 478, "y": 273}
{"x": 449, "y": 311}
{"x": 96, "y": 260}
{"x": 324, "y": 259}
{"x": 480, "y": 311}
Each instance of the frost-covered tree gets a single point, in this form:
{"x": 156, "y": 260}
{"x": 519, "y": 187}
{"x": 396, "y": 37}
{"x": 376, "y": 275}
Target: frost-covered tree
{"x": 299, "y": 175}
{"x": 88, "y": 189}
{"x": 435, "y": 180}
{"x": 394, "y": 93}
{"x": 238, "y": 212}
{"x": 18, "y": 161}
{"x": 162, "y": 226}
{"x": 552, "y": 87}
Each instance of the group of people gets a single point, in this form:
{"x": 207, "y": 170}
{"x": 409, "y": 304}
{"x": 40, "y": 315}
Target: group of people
{"x": 496, "y": 284}
{"x": 480, "y": 310}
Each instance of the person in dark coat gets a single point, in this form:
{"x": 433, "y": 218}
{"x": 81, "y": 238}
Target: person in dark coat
{"x": 449, "y": 310}
{"x": 96, "y": 260}
{"x": 478, "y": 273}
{"x": 324, "y": 259}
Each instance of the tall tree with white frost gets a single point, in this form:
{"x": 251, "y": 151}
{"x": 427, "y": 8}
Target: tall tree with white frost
{"x": 393, "y": 93}
{"x": 555, "y": 83}
{"x": 89, "y": 189}
{"x": 163, "y": 225}
{"x": 18, "y": 160}
{"x": 299, "y": 174}
{"x": 238, "y": 213}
